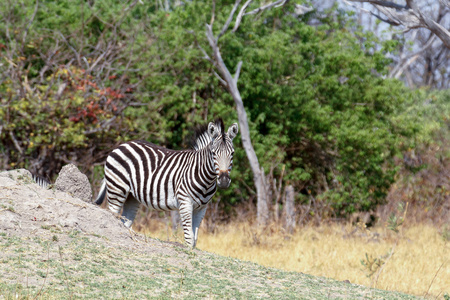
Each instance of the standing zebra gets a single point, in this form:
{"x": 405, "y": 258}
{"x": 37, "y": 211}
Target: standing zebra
{"x": 166, "y": 179}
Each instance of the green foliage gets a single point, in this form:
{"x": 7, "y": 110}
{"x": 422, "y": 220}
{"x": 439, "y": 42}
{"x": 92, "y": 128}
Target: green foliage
{"x": 425, "y": 163}
{"x": 396, "y": 219}
{"x": 372, "y": 264}
{"x": 48, "y": 121}
{"x": 317, "y": 104}
{"x": 315, "y": 96}
{"x": 423, "y": 116}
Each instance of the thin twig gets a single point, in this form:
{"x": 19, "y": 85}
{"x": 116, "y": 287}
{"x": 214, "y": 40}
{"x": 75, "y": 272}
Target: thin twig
{"x": 30, "y": 22}
{"x": 16, "y": 143}
{"x": 206, "y": 56}
{"x": 435, "y": 275}
{"x": 384, "y": 264}
{"x": 230, "y": 18}
{"x": 372, "y": 13}
{"x": 213, "y": 13}
{"x": 406, "y": 61}
{"x": 240, "y": 15}
{"x": 267, "y": 6}
{"x": 98, "y": 59}
{"x": 383, "y": 3}
{"x": 238, "y": 71}
{"x": 46, "y": 275}
{"x": 64, "y": 271}
{"x": 77, "y": 55}
{"x": 223, "y": 82}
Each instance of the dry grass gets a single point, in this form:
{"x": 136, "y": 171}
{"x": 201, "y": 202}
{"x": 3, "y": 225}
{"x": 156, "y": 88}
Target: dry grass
{"x": 419, "y": 264}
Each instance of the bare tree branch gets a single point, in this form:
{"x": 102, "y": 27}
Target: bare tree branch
{"x": 238, "y": 71}
{"x": 230, "y": 18}
{"x": 99, "y": 59}
{"x": 406, "y": 61}
{"x": 30, "y": 22}
{"x": 267, "y": 6}
{"x": 445, "y": 3}
{"x": 213, "y": 13}
{"x": 372, "y": 13}
{"x": 16, "y": 143}
{"x": 404, "y": 66}
{"x": 206, "y": 56}
{"x": 383, "y": 3}
{"x": 240, "y": 15}
{"x": 77, "y": 55}
{"x": 409, "y": 16}
{"x": 301, "y": 9}
{"x": 223, "y": 82}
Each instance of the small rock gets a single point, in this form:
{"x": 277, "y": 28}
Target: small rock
{"x": 68, "y": 222}
{"x": 72, "y": 181}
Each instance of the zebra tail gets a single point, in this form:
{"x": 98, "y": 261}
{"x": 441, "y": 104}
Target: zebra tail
{"x": 101, "y": 193}
{"x": 42, "y": 182}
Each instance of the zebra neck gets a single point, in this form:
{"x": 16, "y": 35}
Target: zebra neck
{"x": 205, "y": 166}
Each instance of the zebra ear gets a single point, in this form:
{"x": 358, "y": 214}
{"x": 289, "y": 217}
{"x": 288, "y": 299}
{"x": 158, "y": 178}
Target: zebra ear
{"x": 213, "y": 131}
{"x": 233, "y": 131}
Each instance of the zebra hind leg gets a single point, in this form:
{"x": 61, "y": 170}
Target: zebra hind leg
{"x": 130, "y": 210}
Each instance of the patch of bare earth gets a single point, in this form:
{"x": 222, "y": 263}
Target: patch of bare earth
{"x": 28, "y": 211}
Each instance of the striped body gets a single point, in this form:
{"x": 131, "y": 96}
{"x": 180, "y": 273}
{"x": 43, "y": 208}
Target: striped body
{"x": 163, "y": 179}
{"x": 154, "y": 175}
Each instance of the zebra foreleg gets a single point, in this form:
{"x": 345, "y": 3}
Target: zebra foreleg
{"x": 197, "y": 218}
{"x": 186, "y": 211}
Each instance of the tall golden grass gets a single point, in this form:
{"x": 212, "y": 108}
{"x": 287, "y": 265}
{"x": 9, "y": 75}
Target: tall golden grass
{"x": 414, "y": 261}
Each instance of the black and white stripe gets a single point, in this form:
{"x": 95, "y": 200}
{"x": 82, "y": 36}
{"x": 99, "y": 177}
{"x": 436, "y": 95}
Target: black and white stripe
{"x": 42, "y": 182}
{"x": 163, "y": 179}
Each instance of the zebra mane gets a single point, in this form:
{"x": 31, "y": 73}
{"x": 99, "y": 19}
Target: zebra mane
{"x": 200, "y": 138}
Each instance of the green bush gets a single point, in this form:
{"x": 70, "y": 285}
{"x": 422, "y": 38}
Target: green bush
{"x": 318, "y": 105}
{"x": 65, "y": 118}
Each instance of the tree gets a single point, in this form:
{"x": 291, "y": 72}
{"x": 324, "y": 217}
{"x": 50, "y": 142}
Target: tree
{"x": 420, "y": 50}
{"x": 69, "y": 81}
{"x": 317, "y": 107}
{"x": 411, "y": 16}
{"x": 230, "y": 83}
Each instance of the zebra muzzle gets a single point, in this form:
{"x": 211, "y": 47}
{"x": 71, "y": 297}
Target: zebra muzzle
{"x": 224, "y": 180}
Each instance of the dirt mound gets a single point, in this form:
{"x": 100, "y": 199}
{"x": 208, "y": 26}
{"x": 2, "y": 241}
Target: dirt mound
{"x": 72, "y": 181}
{"x": 26, "y": 209}
{"x": 55, "y": 246}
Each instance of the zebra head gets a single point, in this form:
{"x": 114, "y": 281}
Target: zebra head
{"x": 222, "y": 150}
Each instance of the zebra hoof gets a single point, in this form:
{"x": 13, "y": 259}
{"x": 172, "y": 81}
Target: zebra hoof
{"x": 127, "y": 223}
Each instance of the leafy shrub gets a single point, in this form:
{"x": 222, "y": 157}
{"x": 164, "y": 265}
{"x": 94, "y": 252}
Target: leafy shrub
{"x": 66, "y": 118}
{"x": 86, "y": 76}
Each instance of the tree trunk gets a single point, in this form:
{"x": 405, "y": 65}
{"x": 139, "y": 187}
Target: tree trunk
{"x": 289, "y": 209}
{"x": 258, "y": 172}
{"x": 230, "y": 83}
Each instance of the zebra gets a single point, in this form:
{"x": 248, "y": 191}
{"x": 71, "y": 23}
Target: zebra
{"x": 164, "y": 179}
{"x": 42, "y": 182}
